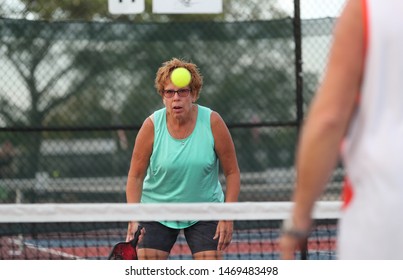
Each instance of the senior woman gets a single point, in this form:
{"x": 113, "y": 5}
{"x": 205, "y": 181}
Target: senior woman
{"x": 176, "y": 159}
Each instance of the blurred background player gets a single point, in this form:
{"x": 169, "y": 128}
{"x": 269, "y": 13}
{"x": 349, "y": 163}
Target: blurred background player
{"x": 176, "y": 159}
{"x": 361, "y": 99}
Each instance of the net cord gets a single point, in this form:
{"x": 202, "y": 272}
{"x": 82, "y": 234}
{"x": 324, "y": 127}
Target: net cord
{"x": 104, "y": 212}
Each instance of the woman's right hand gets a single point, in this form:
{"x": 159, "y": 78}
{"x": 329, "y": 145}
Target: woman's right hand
{"x": 131, "y": 230}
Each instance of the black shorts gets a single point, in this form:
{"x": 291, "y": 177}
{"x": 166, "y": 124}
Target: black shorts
{"x": 199, "y": 236}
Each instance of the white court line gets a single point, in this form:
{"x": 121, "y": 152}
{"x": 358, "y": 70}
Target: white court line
{"x": 23, "y": 244}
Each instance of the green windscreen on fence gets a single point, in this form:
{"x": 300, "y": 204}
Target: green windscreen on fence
{"x": 74, "y": 93}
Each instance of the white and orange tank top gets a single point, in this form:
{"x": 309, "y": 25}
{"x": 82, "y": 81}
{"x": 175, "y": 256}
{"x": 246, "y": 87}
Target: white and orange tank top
{"x": 371, "y": 226}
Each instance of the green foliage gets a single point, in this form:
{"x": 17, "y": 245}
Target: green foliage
{"x": 83, "y": 67}
{"x": 5, "y": 195}
{"x": 67, "y": 9}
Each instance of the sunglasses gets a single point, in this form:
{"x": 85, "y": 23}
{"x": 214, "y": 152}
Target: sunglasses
{"x": 169, "y": 93}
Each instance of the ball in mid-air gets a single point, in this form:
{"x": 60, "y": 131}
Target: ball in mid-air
{"x": 181, "y": 77}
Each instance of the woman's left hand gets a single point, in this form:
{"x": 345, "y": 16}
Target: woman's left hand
{"x": 224, "y": 234}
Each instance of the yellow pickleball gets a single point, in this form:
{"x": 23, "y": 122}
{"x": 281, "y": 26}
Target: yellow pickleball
{"x": 181, "y": 77}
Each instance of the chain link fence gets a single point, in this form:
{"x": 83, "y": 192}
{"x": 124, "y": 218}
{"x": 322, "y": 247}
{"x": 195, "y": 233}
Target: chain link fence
{"x": 76, "y": 83}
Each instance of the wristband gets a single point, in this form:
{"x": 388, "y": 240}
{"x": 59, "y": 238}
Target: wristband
{"x": 288, "y": 228}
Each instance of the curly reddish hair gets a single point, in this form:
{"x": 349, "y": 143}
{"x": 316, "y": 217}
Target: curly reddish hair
{"x": 164, "y": 75}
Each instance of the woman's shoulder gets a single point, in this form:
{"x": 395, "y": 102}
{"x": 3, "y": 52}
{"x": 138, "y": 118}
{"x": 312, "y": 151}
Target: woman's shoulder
{"x": 210, "y": 117}
{"x": 208, "y": 112}
{"x": 160, "y": 111}
{"x": 158, "y": 115}
{"x": 204, "y": 111}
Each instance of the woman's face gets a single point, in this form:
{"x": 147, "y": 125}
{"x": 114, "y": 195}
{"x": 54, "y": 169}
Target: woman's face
{"x": 178, "y": 101}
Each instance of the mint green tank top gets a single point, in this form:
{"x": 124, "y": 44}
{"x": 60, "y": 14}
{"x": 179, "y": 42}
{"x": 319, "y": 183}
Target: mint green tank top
{"x": 183, "y": 170}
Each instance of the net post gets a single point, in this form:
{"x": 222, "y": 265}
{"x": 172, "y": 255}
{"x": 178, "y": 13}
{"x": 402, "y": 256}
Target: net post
{"x": 304, "y": 249}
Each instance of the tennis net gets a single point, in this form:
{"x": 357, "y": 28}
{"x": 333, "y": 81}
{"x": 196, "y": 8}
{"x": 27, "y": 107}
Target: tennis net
{"x": 89, "y": 231}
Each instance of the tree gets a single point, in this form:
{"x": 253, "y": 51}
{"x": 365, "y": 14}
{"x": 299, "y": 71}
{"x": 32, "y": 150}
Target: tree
{"x": 113, "y": 61}
{"x": 51, "y": 71}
